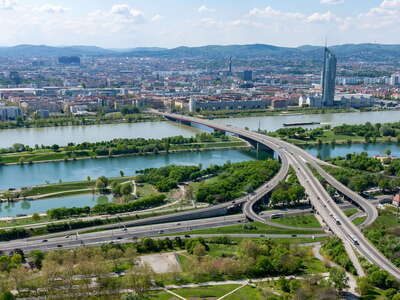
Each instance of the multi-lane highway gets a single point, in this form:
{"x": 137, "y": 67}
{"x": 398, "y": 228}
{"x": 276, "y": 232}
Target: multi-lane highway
{"x": 73, "y": 240}
{"x": 328, "y": 210}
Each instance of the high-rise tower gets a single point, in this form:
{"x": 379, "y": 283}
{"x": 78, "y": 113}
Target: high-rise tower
{"x": 328, "y": 78}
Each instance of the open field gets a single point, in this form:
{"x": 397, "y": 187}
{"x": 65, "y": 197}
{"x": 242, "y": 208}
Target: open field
{"x": 307, "y": 221}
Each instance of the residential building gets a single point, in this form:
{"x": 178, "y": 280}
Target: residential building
{"x": 9, "y": 113}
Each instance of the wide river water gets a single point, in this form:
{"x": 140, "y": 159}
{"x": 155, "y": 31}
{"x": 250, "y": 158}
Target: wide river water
{"x": 78, "y": 134}
{"x": 20, "y": 176}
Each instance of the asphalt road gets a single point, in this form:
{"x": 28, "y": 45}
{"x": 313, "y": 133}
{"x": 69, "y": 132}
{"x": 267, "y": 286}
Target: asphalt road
{"x": 67, "y": 241}
{"x": 329, "y": 211}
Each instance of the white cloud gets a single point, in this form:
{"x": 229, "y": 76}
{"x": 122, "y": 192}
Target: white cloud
{"x": 319, "y": 17}
{"x": 205, "y": 9}
{"x": 332, "y": 2}
{"x": 52, "y": 9}
{"x": 390, "y": 4}
{"x": 156, "y": 18}
{"x": 124, "y": 10}
{"x": 270, "y": 12}
{"x": 7, "y": 4}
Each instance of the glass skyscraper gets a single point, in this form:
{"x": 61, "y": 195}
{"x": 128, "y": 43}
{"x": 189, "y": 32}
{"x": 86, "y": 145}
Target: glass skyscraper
{"x": 329, "y": 78}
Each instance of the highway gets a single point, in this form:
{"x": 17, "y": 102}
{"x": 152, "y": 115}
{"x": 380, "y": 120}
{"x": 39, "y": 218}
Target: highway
{"x": 67, "y": 241}
{"x": 325, "y": 207}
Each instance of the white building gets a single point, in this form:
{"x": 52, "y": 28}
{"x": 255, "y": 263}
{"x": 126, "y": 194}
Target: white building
{"x": 311, "y": 101}
{"x": 395, "y": 79}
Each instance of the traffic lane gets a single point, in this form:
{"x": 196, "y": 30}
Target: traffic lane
{"x": 105, "y": 236}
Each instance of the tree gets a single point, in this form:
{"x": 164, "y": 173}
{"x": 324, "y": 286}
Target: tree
{"x": 121, "y": 173}
{"x": 139, "y": 279}
{"x": 338, "y": 279}
{"x": 199, "y": 250}
{"x": 7, "y": 296}
{"x": 35, "y": 217}
{"x": 37, "y": 257}
{"x": 388, "y": 152}
{"x": 102, "y": 183}
{"x": 364, "y": 286}
{"x": 126, "y": 189}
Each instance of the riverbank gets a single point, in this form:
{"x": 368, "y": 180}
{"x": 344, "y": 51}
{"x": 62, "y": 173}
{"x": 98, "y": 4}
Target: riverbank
{"x": 344, "y": 134}
{"x": 156, "y": 147}
{"x": 80, "y": 121}
{"x": 288, "y": 112}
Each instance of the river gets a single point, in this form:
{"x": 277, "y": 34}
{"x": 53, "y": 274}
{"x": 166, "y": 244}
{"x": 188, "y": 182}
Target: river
{"x": 16, "y": 176}
{"x": 78, "y": 134}
{"x": 39, "y": 206}
{"x": 272, "y": 123}
{"x": 28, "y": 175}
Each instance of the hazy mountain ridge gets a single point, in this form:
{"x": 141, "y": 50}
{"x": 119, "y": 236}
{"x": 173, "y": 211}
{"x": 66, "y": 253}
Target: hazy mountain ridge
{"x": 344, "y": 52}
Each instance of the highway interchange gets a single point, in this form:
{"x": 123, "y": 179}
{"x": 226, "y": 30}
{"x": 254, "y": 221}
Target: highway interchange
{"x": 333, "y": 219}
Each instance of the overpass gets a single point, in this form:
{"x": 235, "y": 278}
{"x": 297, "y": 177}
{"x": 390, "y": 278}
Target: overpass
{"x": 304, "y": 165}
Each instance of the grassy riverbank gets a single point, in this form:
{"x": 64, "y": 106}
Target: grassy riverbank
{"x": 343, "y": 134}
{"x": 66, "y": 120}
{"x": 21, "y": 154}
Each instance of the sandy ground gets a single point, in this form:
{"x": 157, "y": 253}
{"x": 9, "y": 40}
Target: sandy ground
{"x": 161, "y": 263}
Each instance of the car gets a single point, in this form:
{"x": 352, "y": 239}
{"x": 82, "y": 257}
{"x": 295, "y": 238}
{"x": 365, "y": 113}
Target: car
{"x": 262, "y": 235}
{"x": 119, "y": 238}
{"x": 67, "y": 236}
{"x": 59, "y": 246}
{"x": 178, "y": 224}
{"x": 294, "y": 235}
{"x": 44, "y": 241}
{"x": 187, "y": 236}
{"x": 134, "y": 238}
{"x": 161, "y": 231}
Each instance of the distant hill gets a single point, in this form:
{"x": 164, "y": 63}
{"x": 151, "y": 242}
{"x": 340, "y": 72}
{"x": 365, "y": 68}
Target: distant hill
{"x": 49, "y": 51}
{"x": 365, "y": 52}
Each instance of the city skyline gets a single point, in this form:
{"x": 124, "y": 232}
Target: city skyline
{"x": 129, "y": 23}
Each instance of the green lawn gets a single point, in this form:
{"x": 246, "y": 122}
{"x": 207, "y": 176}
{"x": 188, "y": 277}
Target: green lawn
{"x": 359, "y": 221}
{"x": 146, "y": 190}
{"x": 23, "y": 221}
{"x": 55, "y": 188}
{"x": 351, "y": 211}
{"x": 329, "y": 136}
{"x": 66, "y": 187}
{"x": 307, "y": 221}
{"x": 211, "y": 292}
{"x": 256, "y": 228}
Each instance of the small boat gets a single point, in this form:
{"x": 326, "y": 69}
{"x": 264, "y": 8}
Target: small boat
{"x": 301, "y": 124}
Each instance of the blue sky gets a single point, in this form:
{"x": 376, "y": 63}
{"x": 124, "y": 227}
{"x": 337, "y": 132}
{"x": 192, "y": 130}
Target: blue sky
{"x": 171, "y": 23}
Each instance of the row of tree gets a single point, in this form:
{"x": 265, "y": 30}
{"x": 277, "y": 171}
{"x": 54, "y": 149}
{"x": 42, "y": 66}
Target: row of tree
{"x": 109, "y": 208}
{"x": 120, "y": 146}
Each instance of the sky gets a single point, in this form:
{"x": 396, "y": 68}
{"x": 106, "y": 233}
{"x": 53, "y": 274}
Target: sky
{"x": 173, "y": 23}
